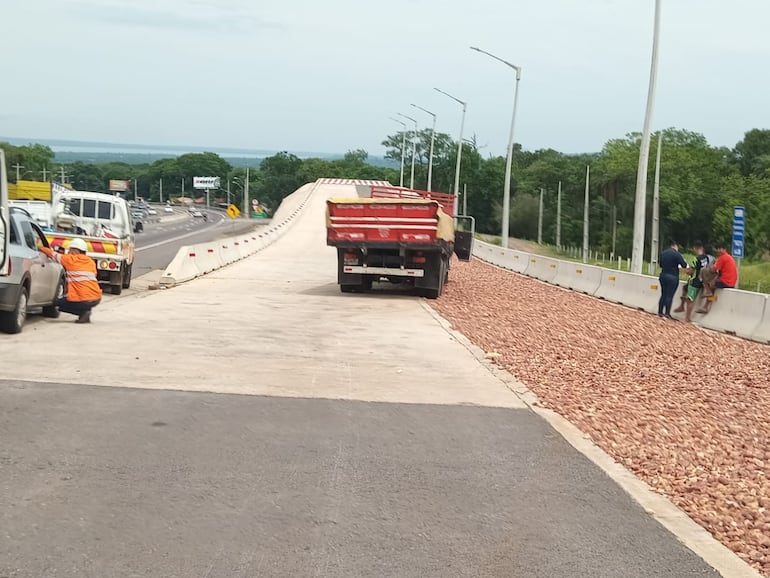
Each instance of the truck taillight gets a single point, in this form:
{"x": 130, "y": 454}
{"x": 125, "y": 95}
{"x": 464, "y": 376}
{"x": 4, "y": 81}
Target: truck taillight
{"x": 419, "y": 260}
{"x": 351, "y": 258}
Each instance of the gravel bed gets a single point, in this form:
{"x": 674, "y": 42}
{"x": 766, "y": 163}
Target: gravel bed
{"x": 686, "y": 410}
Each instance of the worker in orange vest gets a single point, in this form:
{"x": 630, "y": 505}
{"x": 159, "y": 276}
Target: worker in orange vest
{"x": 83, "y": 291}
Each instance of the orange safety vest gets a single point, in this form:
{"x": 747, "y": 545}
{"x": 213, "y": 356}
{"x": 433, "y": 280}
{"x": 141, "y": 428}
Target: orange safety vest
{"x": 81, "y": 276}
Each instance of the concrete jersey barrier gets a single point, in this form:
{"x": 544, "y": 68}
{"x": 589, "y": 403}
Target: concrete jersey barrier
{"x": 579, "y": 277}
{"x": 742, "y": 313}
{"x": 738, "y": 312}
{"x": 543, "y": 268}
{"x": 195, "y": 260}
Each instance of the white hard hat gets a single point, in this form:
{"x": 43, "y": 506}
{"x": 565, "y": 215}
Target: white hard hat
{"x": 78, "y": 244}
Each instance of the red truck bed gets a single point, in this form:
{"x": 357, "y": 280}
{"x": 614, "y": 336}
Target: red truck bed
{"x": 445, "y": 200}
{"x": 387, "y": 220}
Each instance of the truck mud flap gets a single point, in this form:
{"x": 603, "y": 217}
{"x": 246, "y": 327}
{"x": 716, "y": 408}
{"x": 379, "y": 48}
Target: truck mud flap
{"x": 464, "y": 233}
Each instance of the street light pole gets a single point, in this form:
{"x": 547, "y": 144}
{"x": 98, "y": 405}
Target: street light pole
{"x": 640, "y": 200}
{"x": 414, "y": 147}
{"x": 459, "y": 148}
{"x": 509, "y": 159}
{"x": 540, "y": 219}
{"x": 432, "y": 142}
{"x": 403, "y": 148}
{"x": 558, "y": 217}
{"x": 246, "y": 195}
{"x": 655, "y": 241}
{"x": 586, "y": 207}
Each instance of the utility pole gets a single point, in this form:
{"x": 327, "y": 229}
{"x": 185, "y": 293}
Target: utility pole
{"x": 228, "y": 192}
{"x": 135, "y": 190}
{"x": 540, "y": 219}
{"x": 614, "y": 228}
{"x": 585, "y": 215}
{"x": 45, "y": 172}
{"x": 246, "y": 195}
{"x": 655, "y": 241}
{"x": 18, "y": 168}
{"x": 558, "y": 217}
{"x": 640, "y": 198}
{"x": 183, "y": 186}
{"x": 161, "y": 190}
{"x": 63, "y": 175}
{"x": 465, "y": 199}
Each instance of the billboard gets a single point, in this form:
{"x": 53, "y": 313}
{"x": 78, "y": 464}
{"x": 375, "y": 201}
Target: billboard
{"x": 120, "y": 186}
{"x": 206, "y": 182}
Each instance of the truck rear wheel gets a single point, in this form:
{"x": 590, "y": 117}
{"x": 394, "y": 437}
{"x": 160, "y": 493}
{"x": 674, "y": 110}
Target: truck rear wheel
{"x": 116, "y": 289}
{"x": 127, "y": 276}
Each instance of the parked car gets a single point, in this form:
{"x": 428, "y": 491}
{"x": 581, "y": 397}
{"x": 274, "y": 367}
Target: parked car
{"x": 168, "y": 209}
{"x": 138, "y": 216}
{"x": 196, "y": 213}
{"x": 34, "y": 280}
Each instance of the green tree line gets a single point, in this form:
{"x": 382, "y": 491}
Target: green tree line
{"x": 700, "y": 183}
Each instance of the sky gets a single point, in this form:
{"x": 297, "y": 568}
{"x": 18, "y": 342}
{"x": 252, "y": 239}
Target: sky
{"x": 325, "y": 76}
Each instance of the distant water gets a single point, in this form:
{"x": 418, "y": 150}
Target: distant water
{"x": 172, "y": 150}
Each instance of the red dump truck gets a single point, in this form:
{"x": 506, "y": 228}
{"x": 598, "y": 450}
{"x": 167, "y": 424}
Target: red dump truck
{"x": 397, "y": 235}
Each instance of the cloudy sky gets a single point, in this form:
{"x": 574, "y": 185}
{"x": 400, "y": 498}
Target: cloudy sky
{"x": 324, "y": 76}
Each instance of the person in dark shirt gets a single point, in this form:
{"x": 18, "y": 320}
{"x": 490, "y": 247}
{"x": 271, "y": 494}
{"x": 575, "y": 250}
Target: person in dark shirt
{"x": 694, "y": 284}
{"x": 671, "y": 261}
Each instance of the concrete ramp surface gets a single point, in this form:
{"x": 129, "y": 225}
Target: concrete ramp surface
{"x": 366, "y": 439}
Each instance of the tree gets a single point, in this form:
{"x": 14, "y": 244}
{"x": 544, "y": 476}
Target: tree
{"x": 753, "y": 153}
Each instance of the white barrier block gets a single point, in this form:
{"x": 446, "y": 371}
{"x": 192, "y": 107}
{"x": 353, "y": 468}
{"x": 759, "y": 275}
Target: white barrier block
{"x": 516, "y": 261}
{"x": 182, "y": 268}
{"x": 762, "y": 332}
{"x": 207, "y": 257}
{"x": 738, "y": 312}
{"x": 639, "y": 291}
{"x": 578, "y": 277}
{"x": 543, "y": 268}
{"x": 228, "y": 252}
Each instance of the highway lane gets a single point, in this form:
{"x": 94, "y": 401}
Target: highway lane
{"x": 157, "y": 245}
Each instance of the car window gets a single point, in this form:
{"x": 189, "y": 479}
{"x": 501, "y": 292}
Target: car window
{"x": 14, "y": 234}
{"x": 28, "y": 234}
{"x": 105, "y": 210}
{"x": 89, "y": 208}
{"x": 74, "y": 206}
{"x": 40, "y": 238}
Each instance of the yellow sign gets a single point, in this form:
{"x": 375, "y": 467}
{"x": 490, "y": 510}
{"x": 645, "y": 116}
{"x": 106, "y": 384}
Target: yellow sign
{"x": 233, "y": 211}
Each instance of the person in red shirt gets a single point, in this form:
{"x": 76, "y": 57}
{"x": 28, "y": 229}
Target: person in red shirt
{"x": 726, "y": 269}
{"x": 83, "y": 291}
{"x": 727, "y": 273}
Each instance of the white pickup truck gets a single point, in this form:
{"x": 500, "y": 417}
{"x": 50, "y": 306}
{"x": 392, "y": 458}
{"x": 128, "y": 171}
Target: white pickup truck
{"x": 104, "y": 222}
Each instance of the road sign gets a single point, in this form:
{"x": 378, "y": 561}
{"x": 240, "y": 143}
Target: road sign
{"x": 739, "y": 232}
{"x": 120, "y": 185}
{"x": 206, "y": 183}
{"x": 233, "y": 211}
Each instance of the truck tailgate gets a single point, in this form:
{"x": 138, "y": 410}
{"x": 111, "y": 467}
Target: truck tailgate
{"x": 104, "y": 246}
{"x": 387, "y": 221}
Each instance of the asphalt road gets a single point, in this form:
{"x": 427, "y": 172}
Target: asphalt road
{"x": 115, "y": 482}
{"x": 157, "y": 245}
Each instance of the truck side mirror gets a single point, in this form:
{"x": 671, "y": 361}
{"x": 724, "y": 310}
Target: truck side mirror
{"x": 465, "y": 230}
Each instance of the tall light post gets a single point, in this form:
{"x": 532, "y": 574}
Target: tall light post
{"x": 459, "y": 147}
{"x": 432, "y": 142}
{"x": 414, "y": 146}
{"x": 509, "y": 159}
{"x": 655, "y": 238}
{"x": 403, "y": 148}
{"x": 640, "y": 199}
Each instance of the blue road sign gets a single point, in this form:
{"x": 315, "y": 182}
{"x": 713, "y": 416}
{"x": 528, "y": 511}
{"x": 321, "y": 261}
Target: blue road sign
{"x": 739, "y": 231}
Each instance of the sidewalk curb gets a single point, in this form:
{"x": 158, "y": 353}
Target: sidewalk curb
{"x": 665, "y": 512}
